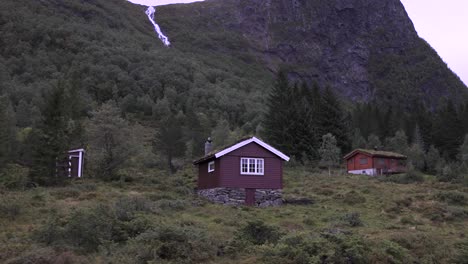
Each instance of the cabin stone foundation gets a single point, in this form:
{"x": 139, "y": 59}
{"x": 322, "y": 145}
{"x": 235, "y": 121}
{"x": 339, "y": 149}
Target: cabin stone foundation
{"x": 237, "y": 196}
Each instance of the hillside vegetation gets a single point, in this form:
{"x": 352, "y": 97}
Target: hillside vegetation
{"x": 156, "y": 217}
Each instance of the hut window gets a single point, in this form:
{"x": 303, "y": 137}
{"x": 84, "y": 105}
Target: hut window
{"x": 251, "y": 166}
{"x": 363, "y": 161}
{"x": 211, "y": 166}
{"x": 381, "y": 161}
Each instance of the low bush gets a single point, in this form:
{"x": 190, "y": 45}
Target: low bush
{"x": 171, "y": 205}
{"x": 125, "y": 208}
{"x": 47, "y": 255}
{"x": 452, "y": 197}
{"x": 14, "y": 177}
{"x": 353, "y": 198}
{"x": 259, "y": 233}
{"x": 411, "y": 176}
{"x": 461, "y": 255}
{"x": 424, "y": 246}
{"x": 168, "y": 244}
{"x": 307, "y": 248}
{"x": 352, "y": 219}
{"x": 88, "y": 229}
{"x": 389, "y": 252}
{"x": 10, "y": 208}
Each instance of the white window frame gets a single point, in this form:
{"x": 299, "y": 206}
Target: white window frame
{"x": 211, "y": 166}
{"x": 258, "y": 166}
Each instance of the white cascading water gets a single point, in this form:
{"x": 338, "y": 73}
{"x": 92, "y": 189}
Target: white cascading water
{"x": 150, "y": 13}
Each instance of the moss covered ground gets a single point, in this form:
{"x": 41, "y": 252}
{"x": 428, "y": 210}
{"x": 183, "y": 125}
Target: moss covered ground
{"x": 156, "y": 217}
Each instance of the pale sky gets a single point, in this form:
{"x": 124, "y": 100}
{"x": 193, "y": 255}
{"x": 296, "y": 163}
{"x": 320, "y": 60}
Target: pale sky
{"x": 444, "y": 25}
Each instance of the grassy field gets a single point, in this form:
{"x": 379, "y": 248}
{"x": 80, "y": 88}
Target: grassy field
{"x": 156, "y": 218}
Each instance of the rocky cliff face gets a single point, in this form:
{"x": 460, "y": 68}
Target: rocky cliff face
{"x": 364, "y": 49}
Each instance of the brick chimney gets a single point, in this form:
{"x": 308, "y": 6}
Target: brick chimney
{"x": 208, "y": 146}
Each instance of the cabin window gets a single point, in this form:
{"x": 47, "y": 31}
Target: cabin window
{"x": 381, "y": 161}
{"x": 252, "y": 166}
{"x": 363, "y": 161}
{"x": 211, "y": 166}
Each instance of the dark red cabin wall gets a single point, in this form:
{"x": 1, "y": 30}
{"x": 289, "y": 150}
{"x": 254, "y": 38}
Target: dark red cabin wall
{"x": 230, "y": 169}
{"x": 390, "y": 163}
{"x": 353, "y": 163}
{"x": 208, "y": 180}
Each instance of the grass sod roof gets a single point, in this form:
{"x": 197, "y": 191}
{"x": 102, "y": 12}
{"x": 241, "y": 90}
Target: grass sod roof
{"x": 376, "y": 153}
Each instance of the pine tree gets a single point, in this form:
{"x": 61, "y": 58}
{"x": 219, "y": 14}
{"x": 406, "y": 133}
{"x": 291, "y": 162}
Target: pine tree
{"x": 305, "y": 138}
{"x": 195, "y": 134}
{"x": 332, "y": 119}
{"x": 279, "y": 120}
{"x": 330, "y": 153}
{"x": 416, "y": 156}
{"x": 373, "y": 142}
{"x": 463, "y": 153}
{"x": 357, "y": 140}
{"x": 51, "y": 139}
{"x": 169, "y": 140}
{"x": 398, "y": 143}
{"x": 7, "y": 131}
{"x": 448, "y": 131}
{"x": 433, "y": 160}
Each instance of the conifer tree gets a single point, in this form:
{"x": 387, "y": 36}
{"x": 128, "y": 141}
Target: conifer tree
{"x": 357, "y": 140}
{"x": 279, "y": 120}
{"x": 398, "y": 143}
{"x": 169, "y": 140}
{"x": 330, "y": 153}
{"x": 373, "y": 142}
{"x": 448, "y": 131}
{"x": 332, "y": 119}
{"x": 305, "y": 138}
{"x": 51, "y": 139}
{"x": 432, "y": 159}
{"x": 7, "y": 131}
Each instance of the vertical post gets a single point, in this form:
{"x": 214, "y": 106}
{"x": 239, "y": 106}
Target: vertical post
{"x": 80, "y": 163}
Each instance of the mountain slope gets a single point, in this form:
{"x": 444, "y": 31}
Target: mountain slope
{"x": 224, "y": 55}
{"x": 366, "y": 50}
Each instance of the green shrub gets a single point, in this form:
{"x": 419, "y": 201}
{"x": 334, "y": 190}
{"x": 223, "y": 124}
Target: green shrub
{"x": 258, "y": 233}
{"x": 14, "y": 177}
{"x": 125, "y": 208}
{"x": 47, "y": 255}
{"x": 170, "y": 244}
{"x": 171, "y": 205}
{"x": 389, "y": 252}
{"x": 352, "y": 219}
{"x": 411, "y": 176}
{"x": 453, "y": 197}
{"x": 10, "y": 208}
{"x": 461, "y": 255}
{"x": 353, "y": 198}
{"x": 85, "y": 229}
{"x": 303, "y": 248}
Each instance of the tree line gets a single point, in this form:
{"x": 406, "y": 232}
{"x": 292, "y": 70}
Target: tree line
{"x": 301, "y": 120}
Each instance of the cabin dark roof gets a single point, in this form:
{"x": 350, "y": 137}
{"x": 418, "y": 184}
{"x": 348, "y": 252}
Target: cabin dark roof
{"x": 240, "y": 143}
{"x": 376, "y": 153}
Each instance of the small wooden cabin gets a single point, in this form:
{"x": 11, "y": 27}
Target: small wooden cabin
{"x": 375, "y": 162}
{"x": 248, "y": 172}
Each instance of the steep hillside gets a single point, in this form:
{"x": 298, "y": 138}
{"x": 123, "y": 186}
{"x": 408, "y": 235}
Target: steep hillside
{"x": 224, "y": 54}
{"x": 366, "y": 50}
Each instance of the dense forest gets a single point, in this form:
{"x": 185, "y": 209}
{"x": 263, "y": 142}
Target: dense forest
{"x": 64, "y": 83}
